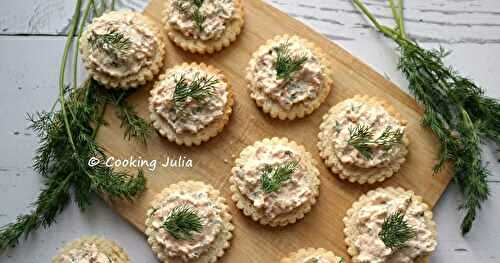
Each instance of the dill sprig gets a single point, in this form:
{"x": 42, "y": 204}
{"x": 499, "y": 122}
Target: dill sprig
{"x": 455, "y": 110}
{"x": 195, "y": 12}
{"x": 67, "y": 141}
{"x": 182, "y": 221}
{"x": 286, "y": 63}
{"x": 273, "y": 177}
{"x": 396, "y": 231}
{"x": 112, "y": 42}
{"x": 361, "y": 138}
{"x": 197, "y": 89}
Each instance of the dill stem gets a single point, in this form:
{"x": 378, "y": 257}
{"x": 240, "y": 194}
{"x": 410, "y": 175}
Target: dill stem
{"x": 401, "y": 20}
{"x": 113, "y": 5}
{"x": 62, "y": 71}
{"x": 99, "y": 121}
{"x": 77, "y": 45}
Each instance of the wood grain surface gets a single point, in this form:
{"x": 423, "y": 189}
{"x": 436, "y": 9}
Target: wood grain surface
{"x": 213, "y": 160}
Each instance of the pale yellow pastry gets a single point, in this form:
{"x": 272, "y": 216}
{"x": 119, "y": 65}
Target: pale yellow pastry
{"x": 363, "y": 223}
{"x": 203, "y": 26}
{"x": 205, "y": 245}
{"x": 122, "y": 49}
{"x": 91, "y": 249}
{"x": 288, "y": 77}
{"x": 339, "y": 153}
{"x": 312, "y": 255}
{"x": 191, "y": 103}
{"x": 275, "y": 181}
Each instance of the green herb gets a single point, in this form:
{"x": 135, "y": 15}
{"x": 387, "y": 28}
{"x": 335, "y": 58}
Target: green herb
{"x": 197, "y": 89}
{"x": 455, "y": 109}
{"x": 67, "y": 144}
{"x": 395, "y": 231}
{"x": 361, "y": 138}
{"x": 182, "y": 221}
{"x": 272, "y": 178}
{"x": 112, "y": 42}
{"x": 342, "y": 260}
{"x": 195, "y": 13}
{"x": 286, "y": 63}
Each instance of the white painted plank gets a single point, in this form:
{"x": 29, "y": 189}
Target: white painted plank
{"x": 442, "y": 21}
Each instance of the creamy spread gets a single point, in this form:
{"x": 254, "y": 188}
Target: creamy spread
{"x": 368, "y": 221}
{"x": 292, "y": 193}
{"x": 195, "y": 114}
{"x": 87, "y": 253}
{"x": 140, "y": 49}
{"x": 322, "y": 258}
{"x": 353, "y": 113}
{"x": 210, "y": 213}
{"x": 214, "y": 15}
{"x": 303, "y": 86}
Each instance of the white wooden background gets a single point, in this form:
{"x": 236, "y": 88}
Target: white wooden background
{"x": 32, "y": 34}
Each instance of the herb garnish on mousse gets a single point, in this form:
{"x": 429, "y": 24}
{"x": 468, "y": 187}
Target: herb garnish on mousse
{"x": 455, "y": 109}
{"x": 67, "y": 135}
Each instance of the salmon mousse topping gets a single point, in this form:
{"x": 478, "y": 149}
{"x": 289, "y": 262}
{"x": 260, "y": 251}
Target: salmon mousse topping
{"x": 286, "y": 72}
{"x": 121, "y": 44}
{"x": 201, "y": 19}
{"x": 390, "y": 225}
{"x": 276, "y": 179}
{"x": 366, "y": 136}
{"x": 87, "y": 252}
{"x": 189, "y": 99}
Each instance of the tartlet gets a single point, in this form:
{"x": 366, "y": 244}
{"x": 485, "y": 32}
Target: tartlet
{"x": 224, "y": 20}
{"x": 122, "y": 49}
{"x": 363, "y": 222}
{"x": 285, "y": 93}
{"x": 91, "y": 248}
{"x": 290, "y": 200}
{"x": 347, "y": 161}
{"x": 204, "y": 246}
{"x": 310, "y": 255}
{"x": 190, "y": 119}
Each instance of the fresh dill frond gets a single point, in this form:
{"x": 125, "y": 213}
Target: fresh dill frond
{"x": 396, "y": 231}
{"x": 286, "y": 63}
{"x": 456, "y": 110}
{"x": 273, "y": 177}
{"x": 197, "y": 89}
{"x": 361, "y": 138}
{"x": 135, "y": 126}
{"x": 182, "y": 221}
{"x": 112, "y": 42}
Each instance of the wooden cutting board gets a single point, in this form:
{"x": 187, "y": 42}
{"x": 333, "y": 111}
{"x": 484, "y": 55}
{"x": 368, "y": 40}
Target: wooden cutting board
{"x": 212, "y": 161}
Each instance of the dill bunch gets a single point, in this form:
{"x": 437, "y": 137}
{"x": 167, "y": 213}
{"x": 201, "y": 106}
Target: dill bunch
{"x": 67, "y": 141}
{"x": 273, "y": 177}
{"x": 396, "y": 231}
{"x": 198, "y": 89}
{"x": 361, "y": 138}
{"x": 182, "y": 221}
{"x": 286, "y": 63}
{"x": 456, "y": 110}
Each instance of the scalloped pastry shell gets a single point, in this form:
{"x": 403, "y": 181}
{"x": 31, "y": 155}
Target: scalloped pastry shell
{"x": 273, "y": 108}
{"x": 108, "y": 247}
{"x": 281, "y": 220}
{"x": 351, "y": 172}
{"x": 221, "y": 242}
{"x": 303, "y": 253}
{"x": 233, "y": 29}
{"x": 208, "y": 132}
{"x": 132, "y": 81}
{"x": 349, "y": 225}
